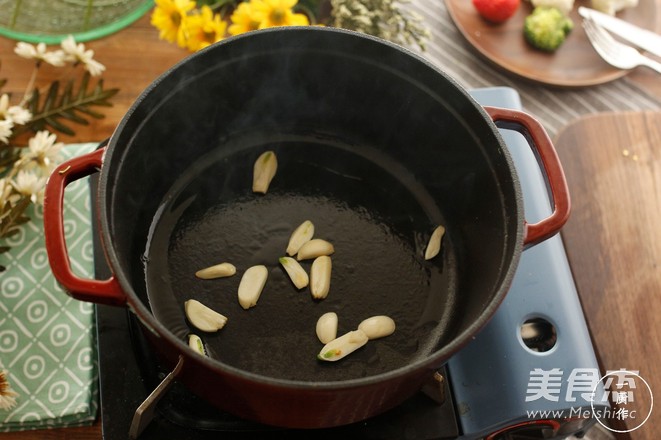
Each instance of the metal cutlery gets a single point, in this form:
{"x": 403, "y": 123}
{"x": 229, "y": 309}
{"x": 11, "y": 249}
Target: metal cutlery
{"x": 615, "y": 53}
{"x": 643, "y": 38}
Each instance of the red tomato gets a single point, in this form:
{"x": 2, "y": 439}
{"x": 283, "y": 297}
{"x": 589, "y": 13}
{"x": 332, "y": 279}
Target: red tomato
{"x": 496, "y": 11}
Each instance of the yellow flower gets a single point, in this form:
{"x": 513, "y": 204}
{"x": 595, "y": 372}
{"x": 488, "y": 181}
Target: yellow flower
{"x": 169, "y": 17}
{"x": 204, "y": 29}
{"x": 278, "y": 13}
{"x": 244, "y": 18}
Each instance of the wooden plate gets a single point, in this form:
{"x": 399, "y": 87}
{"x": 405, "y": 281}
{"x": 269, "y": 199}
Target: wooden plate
{"x": 574, "y": 64}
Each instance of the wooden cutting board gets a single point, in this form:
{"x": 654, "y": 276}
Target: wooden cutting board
{"x": 613, "y": 241}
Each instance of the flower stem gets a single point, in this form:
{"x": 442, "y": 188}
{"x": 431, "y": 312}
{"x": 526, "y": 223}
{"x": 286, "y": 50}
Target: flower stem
{"x": 28, "y": 90}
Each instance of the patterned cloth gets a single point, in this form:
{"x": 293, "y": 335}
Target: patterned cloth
{"x": 47, "y": 339}
{"x": 553, "y": 107}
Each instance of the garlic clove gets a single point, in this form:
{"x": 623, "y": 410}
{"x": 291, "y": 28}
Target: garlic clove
{"x": 315, "y": 248}
{"x": 203, "y": 317}
{"x": 195, "y": 342}
{"x": 301, "y": 235}
{"x": 296, "y": 273}
{"x": 264, "y": 171}
{"x": 434, "y": 246}
{"x": 327, "y": 327}
{"x": 320, "y": 277}
{"x": 343, "y": 346}
{"x": 217, "y": 271}
{"x": 377, "y": 326}
{"x": 251, "y": 285}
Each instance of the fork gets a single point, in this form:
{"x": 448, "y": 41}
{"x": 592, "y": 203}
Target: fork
{"x": 613, "y": 52}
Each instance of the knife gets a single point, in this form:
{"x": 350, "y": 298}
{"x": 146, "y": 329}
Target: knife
{"x": 647, "y": 40}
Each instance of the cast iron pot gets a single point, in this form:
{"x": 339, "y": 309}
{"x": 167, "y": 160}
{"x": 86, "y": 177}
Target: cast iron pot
{"x": 376, "y": 147}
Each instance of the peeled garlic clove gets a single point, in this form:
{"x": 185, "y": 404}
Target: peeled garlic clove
{"x": 342, "y": 346}
{"x": 314, "y": 248}
{"x": 195, "y": 342}
{"x": 217, "y": 271}
{"x": 299, "y": 237}
{"x": 377, "y": 326}
{"x": 251, "y": 285}
{"x": 296, "y": 273}
{"x": 434, "y": 246}
{"x": 202, "y": 317}
{"x": 320, "y": 277}
{"x": 263, "y": 172}
{"x": 327, "y": 327}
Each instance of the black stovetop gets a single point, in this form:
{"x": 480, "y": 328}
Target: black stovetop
{"x": 128, "y": 373}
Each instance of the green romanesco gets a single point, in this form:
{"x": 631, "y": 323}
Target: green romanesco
{"x": 546, "y": 28}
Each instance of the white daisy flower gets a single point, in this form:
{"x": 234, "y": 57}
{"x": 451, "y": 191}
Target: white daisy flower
{"x": 19, "y": 115}
{"x": 8, "y": 196}
{"x": 43, "y": 150}
{"x": 39, "y": 53}
{"x": 94, "y": 67}
{"x": 29, "y": 185}
{"x": 76, "y": 53}
{"x": 15, "y": 113}
{"x": 6, "y": 126}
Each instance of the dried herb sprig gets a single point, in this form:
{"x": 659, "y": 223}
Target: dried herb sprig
{"x": 386, "y": 19}
{"x": 55, "y": 106}
{"x": 24, "y": 168}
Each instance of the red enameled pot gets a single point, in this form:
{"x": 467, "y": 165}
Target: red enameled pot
{"x": 376, "y": 147}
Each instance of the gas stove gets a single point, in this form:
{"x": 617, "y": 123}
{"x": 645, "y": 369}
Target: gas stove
{"x": 494, "y": 388}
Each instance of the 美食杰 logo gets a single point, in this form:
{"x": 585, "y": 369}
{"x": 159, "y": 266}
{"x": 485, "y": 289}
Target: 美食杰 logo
{"x": 621, "y": 400}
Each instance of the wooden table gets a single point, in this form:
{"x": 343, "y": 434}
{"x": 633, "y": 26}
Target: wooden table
{"x": 134, "y": 57}
{"x": 613, "y": 240}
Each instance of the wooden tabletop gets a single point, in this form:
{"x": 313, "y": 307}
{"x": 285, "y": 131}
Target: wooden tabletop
{"x": 602, "y": 269}
{"x": 613, "y": 240}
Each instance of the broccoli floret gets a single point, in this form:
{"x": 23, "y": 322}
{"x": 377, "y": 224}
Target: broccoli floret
{"x": 546, "y": 28}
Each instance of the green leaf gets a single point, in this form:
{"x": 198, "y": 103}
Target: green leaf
{"x": 72, "y": 116}
{"x": 21, "y": 220}
{"x": 8, "y": 222}
{"x": 66, "y": 94}
{"x": 58, "y": 126}
{"x": 51, "y": 96}
{"x": 33, "y": 104}
{"x": 83, "y": 85}
{"x": 88, "y": 111}
{"x": 10, "y": 233}
{"x": 8, "y": 156}
{"x": 69, "y": 104}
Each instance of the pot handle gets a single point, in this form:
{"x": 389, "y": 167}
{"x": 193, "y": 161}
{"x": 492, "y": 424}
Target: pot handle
{"x": 98, "y": 291}
{"x": 551, "y": 168}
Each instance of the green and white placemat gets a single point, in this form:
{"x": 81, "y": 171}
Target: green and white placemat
{"x": 47, "y": 339}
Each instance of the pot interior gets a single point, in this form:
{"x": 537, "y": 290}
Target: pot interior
{"x": 374, "y": 146}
